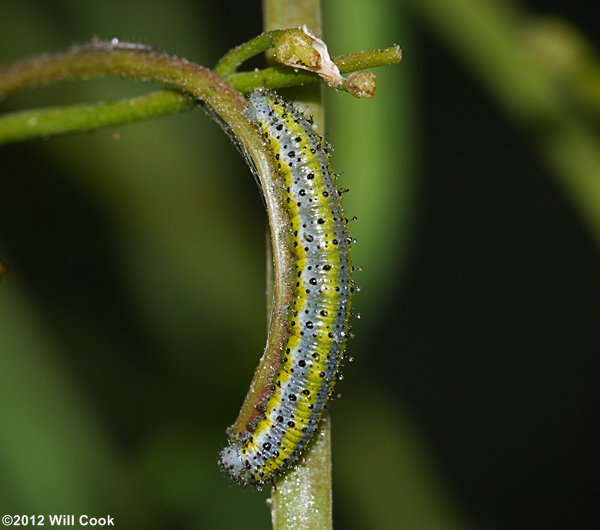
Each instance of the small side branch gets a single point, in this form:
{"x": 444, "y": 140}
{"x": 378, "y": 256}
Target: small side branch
{"x": 41, "y": 123}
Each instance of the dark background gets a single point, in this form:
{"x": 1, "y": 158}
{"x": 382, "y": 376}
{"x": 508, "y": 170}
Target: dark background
{"x": 133, "y": 314}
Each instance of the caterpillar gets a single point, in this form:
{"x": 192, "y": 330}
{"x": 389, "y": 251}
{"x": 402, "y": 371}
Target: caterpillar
{"x": 320, "y": 309}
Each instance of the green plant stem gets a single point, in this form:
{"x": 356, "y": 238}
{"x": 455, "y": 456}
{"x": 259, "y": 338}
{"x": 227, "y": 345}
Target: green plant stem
{"x": 24, "y": 125}
{"x": 29, "y": 124}
{"x": 302, "y": 498}
{"x": 234, "y": 58}
{"x": 125, "y": 60}
{"x": 278, "y": 14}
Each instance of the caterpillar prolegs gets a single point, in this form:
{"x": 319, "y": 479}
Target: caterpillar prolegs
{"x": 321, "y": 296}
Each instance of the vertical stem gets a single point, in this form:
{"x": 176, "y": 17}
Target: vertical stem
{"x": 302, "y": 499}
{"x": 282, "y": 14}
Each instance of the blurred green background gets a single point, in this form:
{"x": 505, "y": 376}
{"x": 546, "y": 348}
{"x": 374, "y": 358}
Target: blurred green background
{"x": 134, "y": 312}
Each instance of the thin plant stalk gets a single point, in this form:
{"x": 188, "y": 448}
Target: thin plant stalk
{"x": 302, "y": 498}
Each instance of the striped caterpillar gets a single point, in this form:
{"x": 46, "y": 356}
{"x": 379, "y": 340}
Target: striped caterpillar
{"x": 319, "y": 311}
